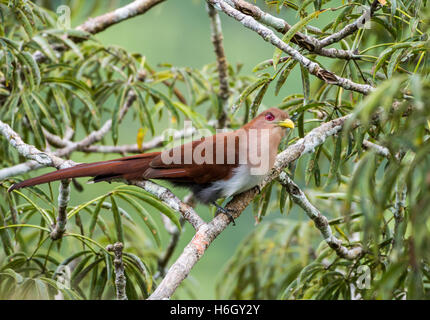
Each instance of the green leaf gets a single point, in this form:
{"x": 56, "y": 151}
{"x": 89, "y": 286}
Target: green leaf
{"x": 156, "y": 203}
{"x": 33, "y": 67}
{"x": 34, "y": 123}
{"x": 25, "y": 22}
{"x": 67, "y": 42}
{"x": 45, "y": 47}
{"x": 248, "y": 90}
{"x": 198, "y": 120}
{"x": 95, "y": 215}
{"x": 108, "y": 264}
{"x": 257, "y": 100}
{"x": 83, "y": 205}
{"x": 5, "y": 237}
{"x": 101, "y": 284}
{"x": 284, "y": 75}
{"x": 9, "y": 62}
{"x": 117, "y": 220}
{"x": 62, "y": 104}
{"x": 305, "y": 84}
{"x": 80, "y": 90}
{"x": 167, "y": 102}
{"x": 115, "y": 115}
{"x": 146, "y": 217}
{"x": 335, "y": 161}
{"x": 143, "y": 106}
{"x": 384, "y": 55}
{"x": 40, "y": 102}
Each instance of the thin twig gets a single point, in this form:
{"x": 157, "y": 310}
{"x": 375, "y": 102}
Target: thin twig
{"x": 350, "y": 28}
{"x": 63, "y": 200}
{"x": 383, "y": 151}
{"x": 155, "y": 142}
{"x": 120, "y": 279}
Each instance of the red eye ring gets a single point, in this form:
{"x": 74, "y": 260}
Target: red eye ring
{"x": 270, "y": 116}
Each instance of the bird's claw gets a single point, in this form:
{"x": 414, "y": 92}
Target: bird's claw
{"x": 225, "y": 211}
{"x": 258, "y": 188}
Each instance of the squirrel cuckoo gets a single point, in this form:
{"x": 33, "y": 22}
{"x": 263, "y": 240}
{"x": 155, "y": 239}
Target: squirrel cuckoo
{"x": 213, "y": 167}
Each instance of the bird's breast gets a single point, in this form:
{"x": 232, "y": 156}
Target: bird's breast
{"x": 241, "y": 180}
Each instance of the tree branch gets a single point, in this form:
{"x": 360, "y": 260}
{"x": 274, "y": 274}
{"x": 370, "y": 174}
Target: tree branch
{"x": 321, "y": 221}
{"x": 63, "y": 200}
{"x": 268, "y": 35}
{"x": 101, "y": 23}
{"x": 46, "y": 159}
{"x": 382, "y": 151}
{"x": 221, "y": 61}
{"x": 120, "y": 279}
{"x": 306, "y": 42}
{"x": 350, "y": 28}
{"x": 172, "y": 201}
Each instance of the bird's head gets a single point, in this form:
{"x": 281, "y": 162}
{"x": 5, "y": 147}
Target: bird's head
{"x": 272, "y": 118}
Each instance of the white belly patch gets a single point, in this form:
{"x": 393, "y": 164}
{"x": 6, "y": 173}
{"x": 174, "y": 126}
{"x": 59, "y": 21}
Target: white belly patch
{"x": 240, "y": 181}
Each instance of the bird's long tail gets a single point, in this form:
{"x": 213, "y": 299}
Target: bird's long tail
{"x": 129, "y": 168}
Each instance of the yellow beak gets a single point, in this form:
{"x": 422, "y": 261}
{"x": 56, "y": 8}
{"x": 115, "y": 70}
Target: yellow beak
{"x": 286, "y": 124}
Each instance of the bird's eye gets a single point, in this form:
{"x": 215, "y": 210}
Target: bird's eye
{"x": 270, "y": 116}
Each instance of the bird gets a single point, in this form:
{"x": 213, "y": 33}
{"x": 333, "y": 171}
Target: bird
{"x": 213, "y": 167}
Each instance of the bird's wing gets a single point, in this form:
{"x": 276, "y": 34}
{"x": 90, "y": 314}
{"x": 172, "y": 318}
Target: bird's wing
{"x": 203, "y": 167}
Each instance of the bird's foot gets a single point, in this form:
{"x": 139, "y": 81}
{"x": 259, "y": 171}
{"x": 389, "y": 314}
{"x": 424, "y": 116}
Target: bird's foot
{"x": 225, "y": 211}
{"x": 258, "y": 189}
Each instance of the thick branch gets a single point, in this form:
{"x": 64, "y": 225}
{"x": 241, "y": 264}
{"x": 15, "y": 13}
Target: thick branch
{"x": 268, "y": 35}
{"x": 31, "y": 152}
{"x": 306, "y": 42}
